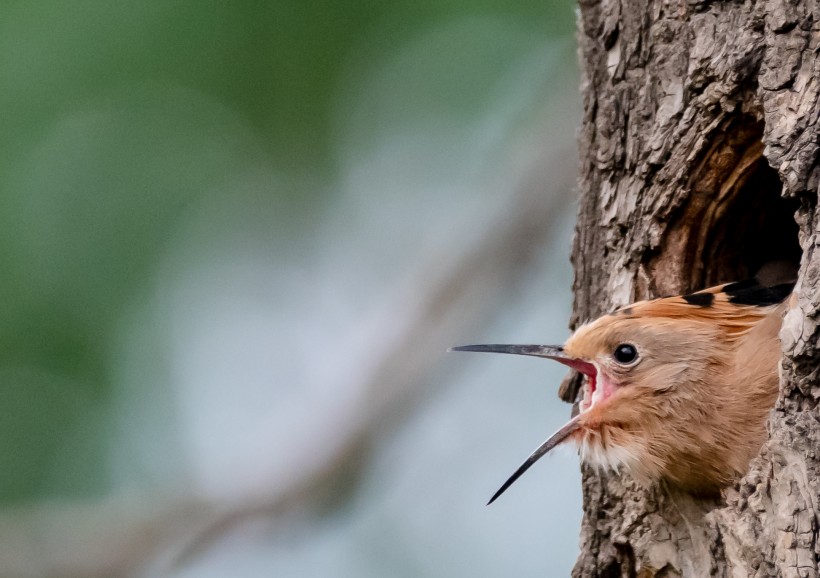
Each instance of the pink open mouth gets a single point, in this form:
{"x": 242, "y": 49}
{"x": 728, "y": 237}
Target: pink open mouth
{"x": 589, "y": 389}
{"x": 597, "y": 389}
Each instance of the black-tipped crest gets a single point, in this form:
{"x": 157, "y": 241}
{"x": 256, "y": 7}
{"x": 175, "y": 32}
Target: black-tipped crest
{"x": 750, "y": 292}
{"x": 700, "y": 299}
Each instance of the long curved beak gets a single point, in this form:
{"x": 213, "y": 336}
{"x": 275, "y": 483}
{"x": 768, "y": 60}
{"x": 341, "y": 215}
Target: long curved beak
{"x": 566, "y": 430}
{"x": 557, "y": 353}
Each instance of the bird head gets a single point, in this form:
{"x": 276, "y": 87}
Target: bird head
{"x": 674, "y": 388}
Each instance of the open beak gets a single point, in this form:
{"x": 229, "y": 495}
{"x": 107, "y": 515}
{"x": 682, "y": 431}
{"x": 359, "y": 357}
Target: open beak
{"x": 555, "y": 352}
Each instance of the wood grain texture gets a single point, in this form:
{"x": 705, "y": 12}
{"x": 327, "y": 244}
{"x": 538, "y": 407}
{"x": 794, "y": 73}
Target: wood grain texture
{"x": 692, "y": 110}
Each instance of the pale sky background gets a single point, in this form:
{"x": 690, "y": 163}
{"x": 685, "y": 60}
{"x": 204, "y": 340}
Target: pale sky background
{"x": 237, "y": 241}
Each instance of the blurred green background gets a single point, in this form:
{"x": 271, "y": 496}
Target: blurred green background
{"x": 210, "y": 213}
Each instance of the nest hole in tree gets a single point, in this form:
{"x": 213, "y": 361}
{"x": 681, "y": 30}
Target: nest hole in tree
{"x": 756, "y": 235}
{"x": 735, "y": 223}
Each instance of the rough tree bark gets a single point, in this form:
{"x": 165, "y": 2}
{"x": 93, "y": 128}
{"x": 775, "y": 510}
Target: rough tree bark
{"x": 698, "y": 165}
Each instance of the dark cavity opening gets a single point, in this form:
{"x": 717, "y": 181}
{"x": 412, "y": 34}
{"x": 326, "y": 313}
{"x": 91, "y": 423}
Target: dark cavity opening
{"x": 757, "y": 233}
{"x": 735, "y": 224}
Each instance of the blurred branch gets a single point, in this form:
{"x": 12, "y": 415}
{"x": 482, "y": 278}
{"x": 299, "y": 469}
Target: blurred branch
{"x": 462, "y": 287}
{"x": 461, "y": 291}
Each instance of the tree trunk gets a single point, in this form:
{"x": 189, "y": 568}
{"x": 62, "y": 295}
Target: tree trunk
{"x": 698, "y": 166}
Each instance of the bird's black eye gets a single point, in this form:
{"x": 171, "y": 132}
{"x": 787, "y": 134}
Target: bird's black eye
{"x": 625, "y": 353}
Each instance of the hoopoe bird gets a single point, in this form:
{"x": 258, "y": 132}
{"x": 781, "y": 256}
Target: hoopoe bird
{"x": 676, "y": 388}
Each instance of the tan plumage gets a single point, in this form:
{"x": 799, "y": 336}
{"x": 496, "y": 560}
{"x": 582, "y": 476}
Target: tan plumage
{"x": 675, "y": 389}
